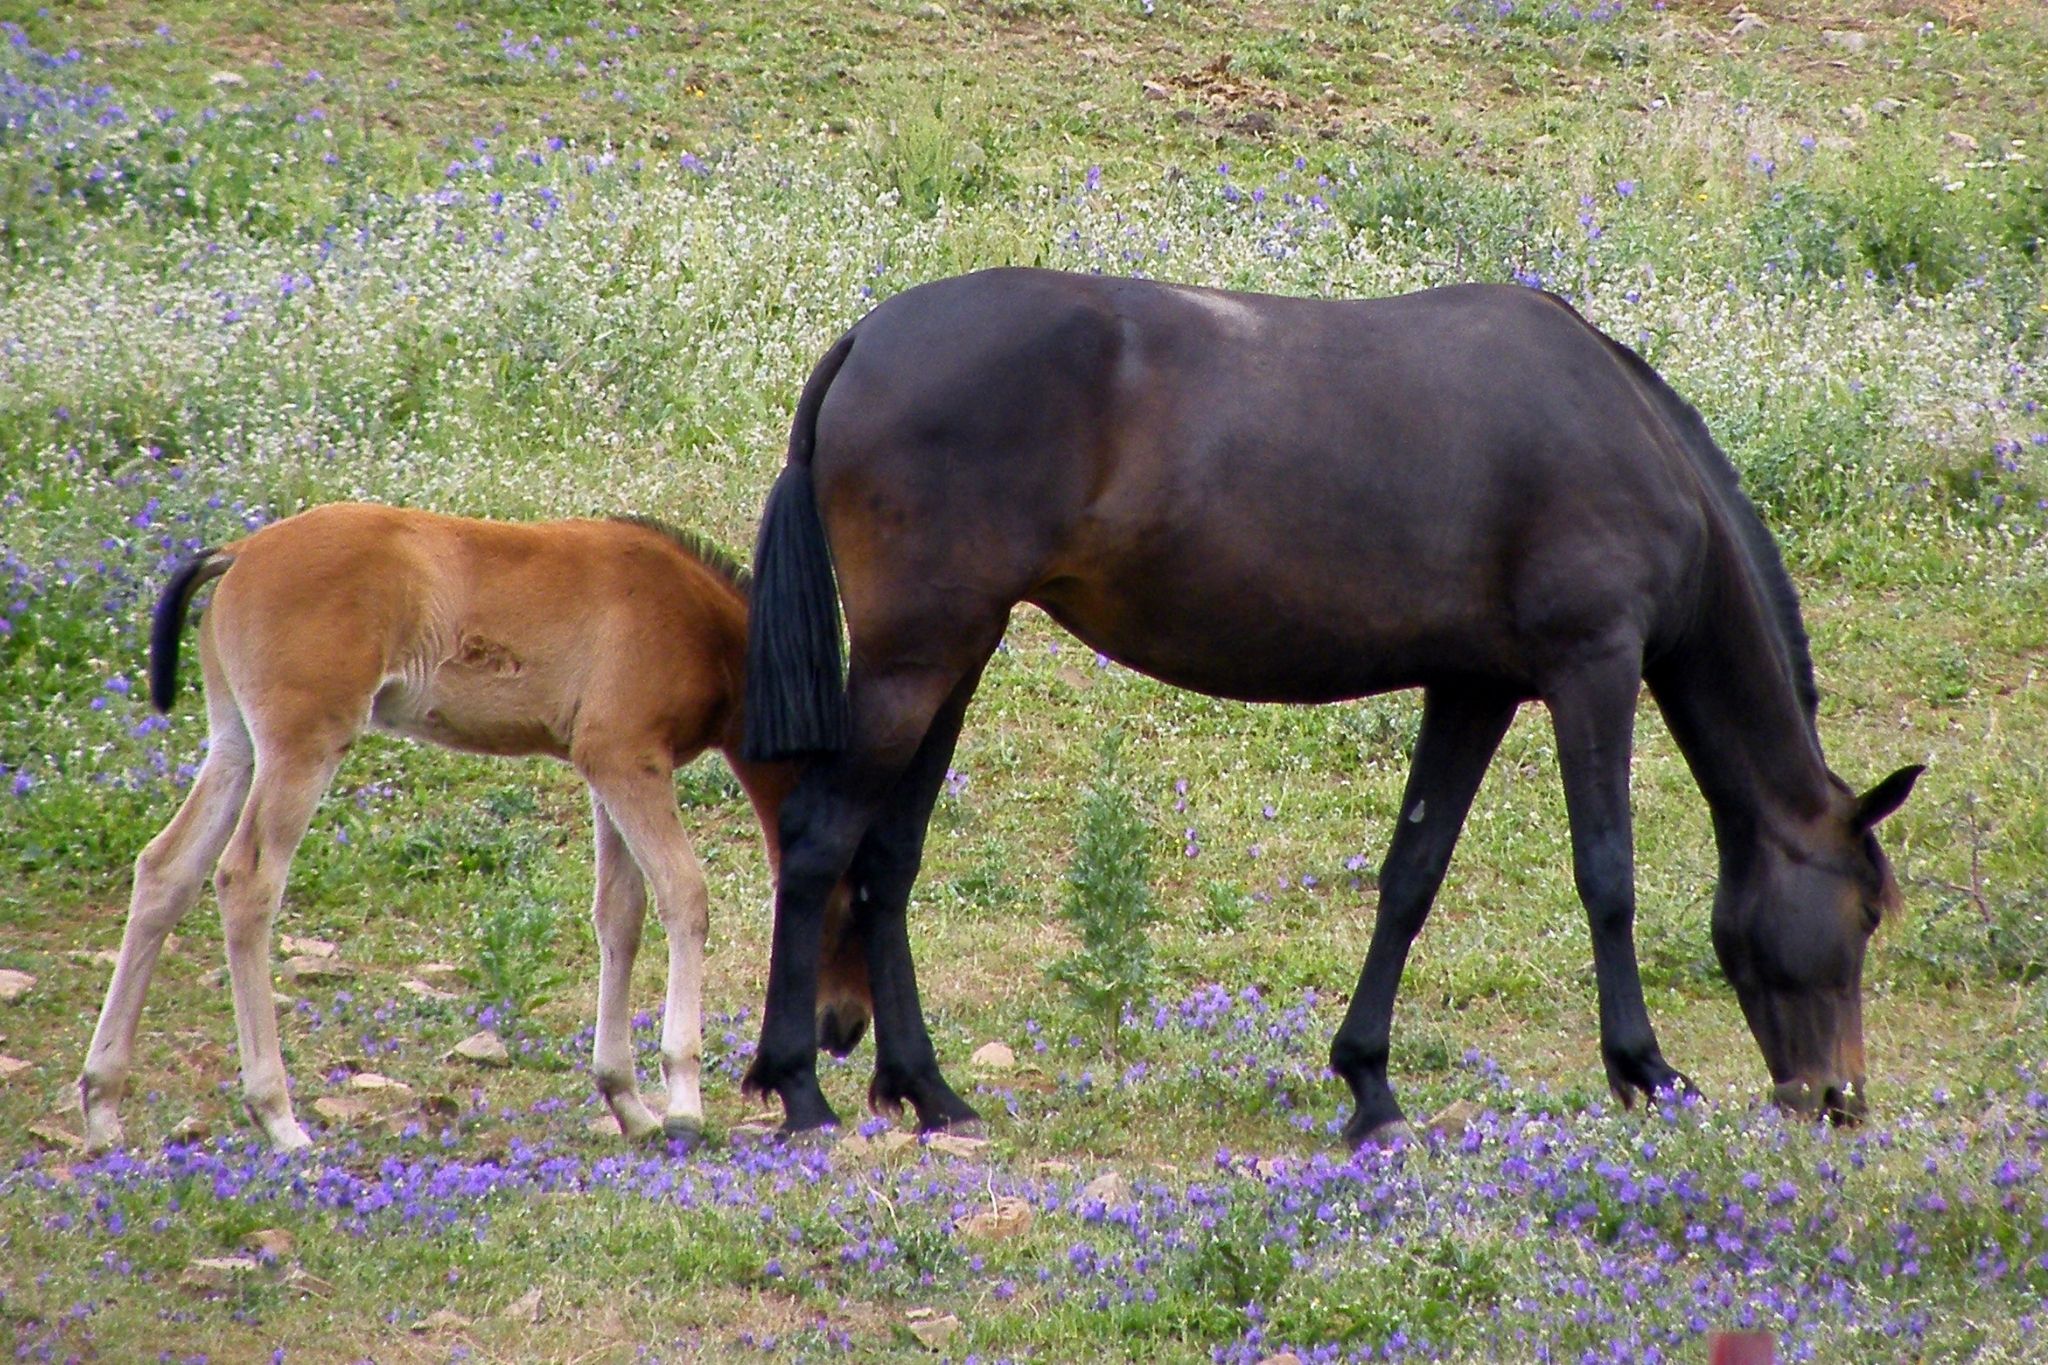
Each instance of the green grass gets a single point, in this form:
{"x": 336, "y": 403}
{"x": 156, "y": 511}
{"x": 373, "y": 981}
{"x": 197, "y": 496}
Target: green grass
{"x": 1833, "y": 248}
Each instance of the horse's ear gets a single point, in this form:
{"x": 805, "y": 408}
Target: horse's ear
{"x": 1886, "y": 797}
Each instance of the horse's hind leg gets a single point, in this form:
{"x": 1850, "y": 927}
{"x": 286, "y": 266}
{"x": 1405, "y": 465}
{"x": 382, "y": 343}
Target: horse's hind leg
{"x": 1460, "y": 731}
{"x": 906, "y": 1065}
{"x": 639, "y": 798}
{"x": 169, "y": 875}
{"x": 618, "y": 911}
{"x": 823, "y": 823}
{"x": 1593, "y": 711}
{"x": 294, "y": 764}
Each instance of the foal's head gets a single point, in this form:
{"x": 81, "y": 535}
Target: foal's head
{"x": 1791, "y": 929}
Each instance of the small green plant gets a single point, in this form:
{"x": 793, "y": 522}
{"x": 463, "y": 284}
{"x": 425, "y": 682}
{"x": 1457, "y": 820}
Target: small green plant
{"x": 1224, "y": 906}
{"x": 1109, "y": 898}
{"x": 514, "y": 962}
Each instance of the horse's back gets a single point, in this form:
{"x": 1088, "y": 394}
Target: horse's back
{"x": 1264, "y": 497}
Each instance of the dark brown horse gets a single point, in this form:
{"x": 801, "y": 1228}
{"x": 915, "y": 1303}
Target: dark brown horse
{"x": 1471, "y": 491}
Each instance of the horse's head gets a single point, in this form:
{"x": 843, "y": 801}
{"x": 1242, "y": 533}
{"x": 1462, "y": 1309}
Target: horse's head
{"x": 1790, "y": 929}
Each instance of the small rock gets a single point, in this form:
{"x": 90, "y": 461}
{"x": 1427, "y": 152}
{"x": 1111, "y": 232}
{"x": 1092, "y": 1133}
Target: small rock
{"x": 931, "y": 11}
{"x": 14, "y": 985}
{"x": 1887, "y": 107}
{"x": 1153, "y": 90}
{"x": 1054, "y": 1167}
{"x": 1748, "y": 24}
{"x": 434, "y": 969}
{"x": 1849, "y": 40}
{"x": 270, "y": 1242}
{"x": 415, "y": 987}
{"x": 13, "y": 1066}
{"x": 1008, "y": 1217}
{"x": 953, "y": 1144}
{"x": 50, "y": 1131}
{"x": 993, "y": 1057}
{"x": 291, "y": 945}
{"x": 315, "y": 969}
{"x": 371, "y": 1080}
{"x": 226, "y": 78}
{"x": 441, "y": 1320}
{"x": 297, "y": 1278}
{"x": 1962, "y": 140}
{"x": 528, "y": 1307}
{"x": 344, "y": 1108}
{"x": 1456, "y": 1117}
{"x": 214, "y": 1274}
{"x": 484, "y": 1048}
{"x": 1110, "y": 1188}
{"x": 1855, "y": 115}
{"x": 933, "y": 1333}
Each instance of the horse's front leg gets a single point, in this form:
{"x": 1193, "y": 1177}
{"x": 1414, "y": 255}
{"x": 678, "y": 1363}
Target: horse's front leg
{"x": 1460, "y": 731}
{"x": 1593, "y": 711}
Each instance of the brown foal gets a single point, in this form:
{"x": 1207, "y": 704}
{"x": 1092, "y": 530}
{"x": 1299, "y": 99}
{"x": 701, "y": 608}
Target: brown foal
{"x": 618, "y": 646}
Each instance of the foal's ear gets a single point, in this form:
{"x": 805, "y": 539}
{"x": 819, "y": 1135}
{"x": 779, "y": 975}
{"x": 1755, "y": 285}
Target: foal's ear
{"x": 1886, "y": 797}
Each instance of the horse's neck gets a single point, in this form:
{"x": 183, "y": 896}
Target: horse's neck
{"x": 1727, "y": 695}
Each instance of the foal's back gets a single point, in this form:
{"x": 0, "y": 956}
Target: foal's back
{"x": 494, "y": 637}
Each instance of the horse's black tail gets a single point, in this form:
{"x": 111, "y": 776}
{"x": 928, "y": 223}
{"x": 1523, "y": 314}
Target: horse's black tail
{"x": 168, "y": 622}
{"x": 796, "y": 689}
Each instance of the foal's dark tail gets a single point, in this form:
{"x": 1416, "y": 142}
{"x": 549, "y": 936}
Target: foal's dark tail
{"x": 169, "y": 621}
{"x": 796, "y": 689}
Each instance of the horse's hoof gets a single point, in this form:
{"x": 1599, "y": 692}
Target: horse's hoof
{"x": 1386, "y": 1134}
{"x": 679, "y": 1128}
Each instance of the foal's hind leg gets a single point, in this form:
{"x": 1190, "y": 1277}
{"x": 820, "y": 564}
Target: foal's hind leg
{"x": 906, "y": 1065}
{"x": 1593, "y": 710}
{"x": 618, "y": 910}
{"x": 294, "y": 764}
{"x": 169, "y": 875}
{"x": 1460, "y": 731}
{"x": 640, "y": 799}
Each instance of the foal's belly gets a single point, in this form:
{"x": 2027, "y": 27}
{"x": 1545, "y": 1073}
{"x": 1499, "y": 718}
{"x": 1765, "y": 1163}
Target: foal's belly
{"x": 478, "y": 712}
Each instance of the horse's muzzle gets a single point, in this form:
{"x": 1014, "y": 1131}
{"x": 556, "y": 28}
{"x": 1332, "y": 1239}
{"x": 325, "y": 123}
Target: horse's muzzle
{"x": 1837, "y": 1101}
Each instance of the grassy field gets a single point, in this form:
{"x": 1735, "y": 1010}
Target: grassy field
{"x": 575, "y": 258}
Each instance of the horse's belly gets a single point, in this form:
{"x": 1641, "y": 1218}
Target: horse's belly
{"x": 1274, "y": 655}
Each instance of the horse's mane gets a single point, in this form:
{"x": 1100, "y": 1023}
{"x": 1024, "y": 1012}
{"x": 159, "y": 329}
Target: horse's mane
{"x": 1759, "y": 546}
{"x": 698, "y": 547}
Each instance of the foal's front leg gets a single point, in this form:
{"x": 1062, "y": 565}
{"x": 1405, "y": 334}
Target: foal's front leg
{"x": 618, "y": 911}
{"x": 642, "y": 810}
